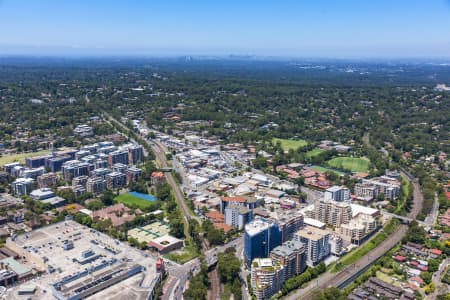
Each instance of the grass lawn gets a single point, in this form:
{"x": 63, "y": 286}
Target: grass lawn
{"x": 133, "y": 202}
{"x": 6, "y": 159}
{"x": 323, "y": 170}
{"x": 189, "y": 252}
{"x": 314, "y": 152}
{"x": 353, "y": 164}
{"x": 386, "y": 278}
{"x": 290, "y": 144}
{"x": 401, "y": 210}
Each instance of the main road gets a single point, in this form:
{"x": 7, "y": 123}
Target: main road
{"x": 162, "y": 162}
{"x": 337, "y": 279}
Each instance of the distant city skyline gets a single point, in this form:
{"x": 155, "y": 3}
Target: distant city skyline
{"x": 323, "y": 28}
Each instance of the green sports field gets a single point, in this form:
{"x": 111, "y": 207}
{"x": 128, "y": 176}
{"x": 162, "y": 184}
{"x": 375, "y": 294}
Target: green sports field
{"x": 6, "y": 159}
{"x": 324, "y": 170}
{"x": 290, "y": 144}
{"x": 314, "y": 152}
{"x": 352, "y": 164}
{"x": 132, "y": 201}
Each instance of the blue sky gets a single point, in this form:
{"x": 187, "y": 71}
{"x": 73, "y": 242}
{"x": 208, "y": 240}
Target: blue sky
{"x": 339, "y": 28}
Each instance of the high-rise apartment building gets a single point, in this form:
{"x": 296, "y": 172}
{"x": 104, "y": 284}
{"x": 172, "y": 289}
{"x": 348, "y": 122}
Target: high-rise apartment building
{"x": 260, "y": 237}
{"x": 267, "y": 277}
{"x": 292, "y": 256}
{"x": 317, "y": 244}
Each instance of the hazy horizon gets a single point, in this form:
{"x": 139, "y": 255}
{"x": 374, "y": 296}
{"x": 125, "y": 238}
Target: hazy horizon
{"x": 347, "y": 29}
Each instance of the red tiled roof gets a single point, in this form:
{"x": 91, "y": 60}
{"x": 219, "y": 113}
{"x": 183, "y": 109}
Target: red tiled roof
{"x": 416, "y": 279}
{"x": 226, "y": 228}
{"x": 400, "y": 258}
{"x": 118, "y": 214}
{"x": 215, "y": 216}
{"x": 233, "y": 199}
{"x": 447, "y": 194}
{"x": 436, "y": 251}
{"x": 157, "y": 174}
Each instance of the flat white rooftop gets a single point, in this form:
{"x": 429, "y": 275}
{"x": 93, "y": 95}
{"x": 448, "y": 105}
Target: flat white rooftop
{"x": 256, "y": 226}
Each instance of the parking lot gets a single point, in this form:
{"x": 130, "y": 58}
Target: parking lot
{"x": 48, "y": 249}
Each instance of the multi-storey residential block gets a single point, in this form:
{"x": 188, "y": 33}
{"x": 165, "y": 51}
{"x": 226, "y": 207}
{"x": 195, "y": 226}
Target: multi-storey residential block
{"x": 78, "y": 190}
{"x": 135, "y": 154}
{"x": 47, "y": 180}
{"x": 371, "y": 188}
{"x": 249, "y": 202}
{"x": 317, "y": 244}
{"x": 8, "y": 167}
{"x": 80, "y": 180}
{"x": 237, "y": 216}
{"x": 292, "y": 256}
{"x": 121, "y": 168}
{"x": 82, "y": 153}
{"x": 22, "y": 186}
{"x": 55, "y": 163}
{"x": 331, "y": 212}
{"x": 100, "y": 172}
{"x": 37, "y": 161}
{"x": 74, "y": 168}
{"x": 267, "y": 277}
{"x": 289, "y": 222}
{"x": 95, "y": 185}
{"x": 260, "y": 238}
{"x": 17, "y": 171}
{"x": 100, "y": 164}
{"x": 336, "y": 245}
{"x": 115, "y": 180}
{"x": 32, "y": 173}
{"x": 358, "y": 229}
{"x": 337, "y": 193}
{"x": 133, "y": 174}
{"x": 118, "y": 156}
{"x": 367, "y": 191}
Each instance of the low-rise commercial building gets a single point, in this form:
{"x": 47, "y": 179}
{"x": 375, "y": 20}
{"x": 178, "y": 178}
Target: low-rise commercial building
{"x": 42, "y": 194}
